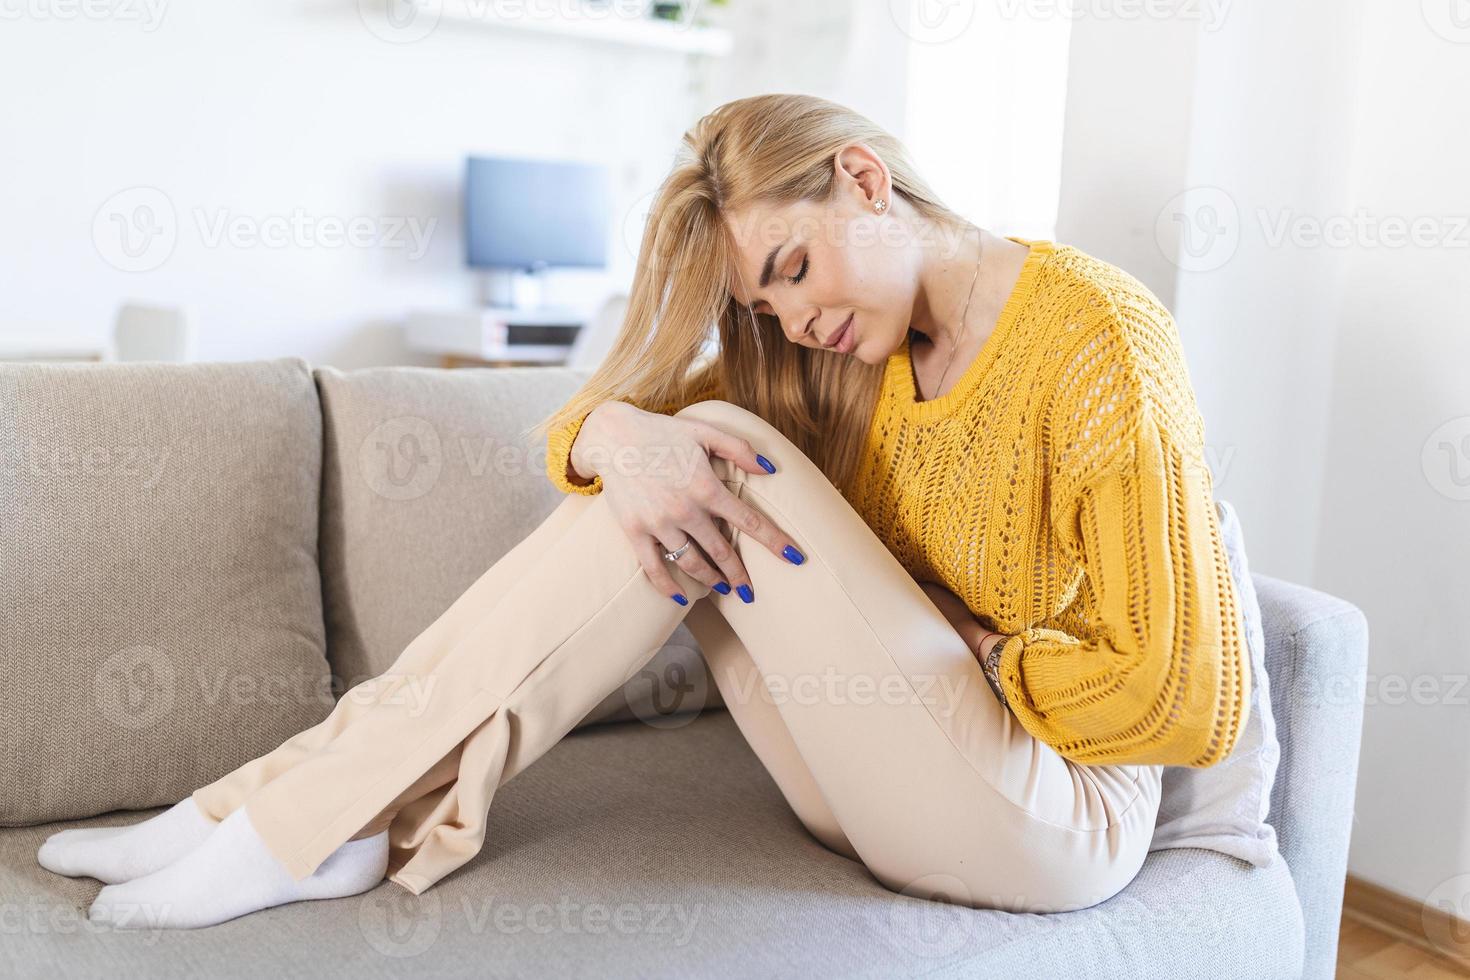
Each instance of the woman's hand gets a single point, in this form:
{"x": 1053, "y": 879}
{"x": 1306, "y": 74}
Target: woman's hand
{"x": 657, "y": 476}
{"x": 976, "y": 636}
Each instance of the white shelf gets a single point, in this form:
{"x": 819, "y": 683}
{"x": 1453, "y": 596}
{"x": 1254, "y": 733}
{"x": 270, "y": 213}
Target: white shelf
{"x": 607, "y": 26}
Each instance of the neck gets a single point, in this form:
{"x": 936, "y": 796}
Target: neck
{"x": 946, "y": 274}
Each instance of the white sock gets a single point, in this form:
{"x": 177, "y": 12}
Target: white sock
{"x": 233, "y": 873}
{"x": 114, "y": 854}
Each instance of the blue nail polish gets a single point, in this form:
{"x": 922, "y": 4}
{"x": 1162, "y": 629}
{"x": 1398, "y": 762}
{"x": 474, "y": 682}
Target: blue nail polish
{"x": 765, "y": 462}
{"x": 723, "y": 588}
{"x": 745, "y": 593}
{"x": 679, "y": 598}
{"x": 792, "y": 555}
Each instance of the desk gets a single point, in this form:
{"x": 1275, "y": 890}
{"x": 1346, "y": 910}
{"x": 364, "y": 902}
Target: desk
{"x": 493, "y": 337}
{"x": 36, "y": 345}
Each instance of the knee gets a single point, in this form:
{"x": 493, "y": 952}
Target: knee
{"x": 715, "y": 410}
{"x": 740, "y": 422}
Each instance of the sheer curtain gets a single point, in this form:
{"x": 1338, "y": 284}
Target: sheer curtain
{"x": 984, "y": 106}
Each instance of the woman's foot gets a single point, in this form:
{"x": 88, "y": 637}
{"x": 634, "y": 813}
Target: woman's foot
{"x": 233, "y": 873}
{"x": 116, "y": 854}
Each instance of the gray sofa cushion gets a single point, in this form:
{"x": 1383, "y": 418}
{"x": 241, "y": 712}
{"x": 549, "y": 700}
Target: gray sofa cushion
{"x": 160, "y": 608}
{"x": 627, "y": 851}
{"x": 429, "y": 478}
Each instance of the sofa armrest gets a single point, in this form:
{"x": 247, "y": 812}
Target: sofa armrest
{"x": 1317, "y": 659}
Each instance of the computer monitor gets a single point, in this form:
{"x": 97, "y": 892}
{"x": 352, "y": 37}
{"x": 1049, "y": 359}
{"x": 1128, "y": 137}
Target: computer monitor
{"x": 527, "y": 214}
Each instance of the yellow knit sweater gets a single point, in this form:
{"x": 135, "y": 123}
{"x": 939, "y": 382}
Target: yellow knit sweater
{"x": 1060, "y": 489}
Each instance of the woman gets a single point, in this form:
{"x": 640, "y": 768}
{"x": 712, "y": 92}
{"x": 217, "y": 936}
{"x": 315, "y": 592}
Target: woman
{"x": 944, "y": 490}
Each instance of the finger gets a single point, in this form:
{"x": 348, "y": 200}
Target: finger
{"x": 737, "y": 450}
{"x": 692, "y": 561}
{"x": 656, "y": 566}
{"x": 719, "y": 565}
{"x": 747, "y": 520}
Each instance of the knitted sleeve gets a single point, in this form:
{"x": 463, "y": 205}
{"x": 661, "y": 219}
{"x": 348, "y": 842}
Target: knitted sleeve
{"x": 1161, "y": 675}
{"x": 559, "y": 441}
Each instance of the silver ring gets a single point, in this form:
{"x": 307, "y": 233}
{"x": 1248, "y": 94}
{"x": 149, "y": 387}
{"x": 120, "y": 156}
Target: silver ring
{"x": 676, "y": 555}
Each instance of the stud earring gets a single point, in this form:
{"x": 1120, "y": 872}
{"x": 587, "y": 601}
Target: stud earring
{"x": 880, "y": 205}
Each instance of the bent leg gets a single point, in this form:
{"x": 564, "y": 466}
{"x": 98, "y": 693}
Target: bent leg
{"x": 525, "y": 664}
{"x": 741, "y": 688}
{"x": 217, "y": 799}
{"x": 933, "y": 783}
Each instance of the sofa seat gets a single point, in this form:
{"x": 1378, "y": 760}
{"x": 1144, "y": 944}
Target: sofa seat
{"x": 630, "y": 851}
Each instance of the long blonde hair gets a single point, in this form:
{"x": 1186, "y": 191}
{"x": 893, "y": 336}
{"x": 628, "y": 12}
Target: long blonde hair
{"x": 772, "y": 149}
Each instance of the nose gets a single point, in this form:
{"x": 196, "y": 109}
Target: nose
{"x": 797, "y": 324}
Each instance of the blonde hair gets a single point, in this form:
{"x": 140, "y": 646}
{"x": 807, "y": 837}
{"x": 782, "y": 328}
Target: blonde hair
{"x": 774, "y": 149}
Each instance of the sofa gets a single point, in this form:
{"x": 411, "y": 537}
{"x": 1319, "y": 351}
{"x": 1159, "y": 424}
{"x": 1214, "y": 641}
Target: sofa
{"x": 649, "y": 842}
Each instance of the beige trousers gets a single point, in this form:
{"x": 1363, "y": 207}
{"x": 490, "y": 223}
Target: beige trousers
{"x": 855, "y": 692}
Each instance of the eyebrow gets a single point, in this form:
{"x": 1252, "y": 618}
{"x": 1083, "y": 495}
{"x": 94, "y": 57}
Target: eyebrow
{"x": 770, "y": 265}
{"x": 768, "y": 269}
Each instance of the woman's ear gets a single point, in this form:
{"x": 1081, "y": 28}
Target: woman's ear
{"x": 862, "y": 174}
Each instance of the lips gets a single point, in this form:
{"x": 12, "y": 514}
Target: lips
{"x": 838, "y": 337}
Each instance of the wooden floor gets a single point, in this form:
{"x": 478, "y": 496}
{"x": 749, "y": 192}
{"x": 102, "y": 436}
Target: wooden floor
{"x": 1365, "y": 953}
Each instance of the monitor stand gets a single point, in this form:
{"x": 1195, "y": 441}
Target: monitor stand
{"x": 514, "y": 289}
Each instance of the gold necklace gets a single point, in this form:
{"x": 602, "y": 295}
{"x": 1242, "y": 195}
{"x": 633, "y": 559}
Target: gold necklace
{"x": 964, "y": 318}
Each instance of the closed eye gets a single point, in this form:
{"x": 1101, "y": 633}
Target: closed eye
{"x": 796, "y": 279}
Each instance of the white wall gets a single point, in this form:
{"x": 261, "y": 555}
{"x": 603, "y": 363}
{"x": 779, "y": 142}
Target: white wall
{"x": 276, "y": 108}
{"x": 1395, "y": 530}
{"x": 1180, "y": 131}
{"x": 1334, "y": 378}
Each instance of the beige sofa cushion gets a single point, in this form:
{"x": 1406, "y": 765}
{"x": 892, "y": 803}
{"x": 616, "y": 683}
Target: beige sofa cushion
{"x": 160, "y": 607}
{"x": 430, "y": 477}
